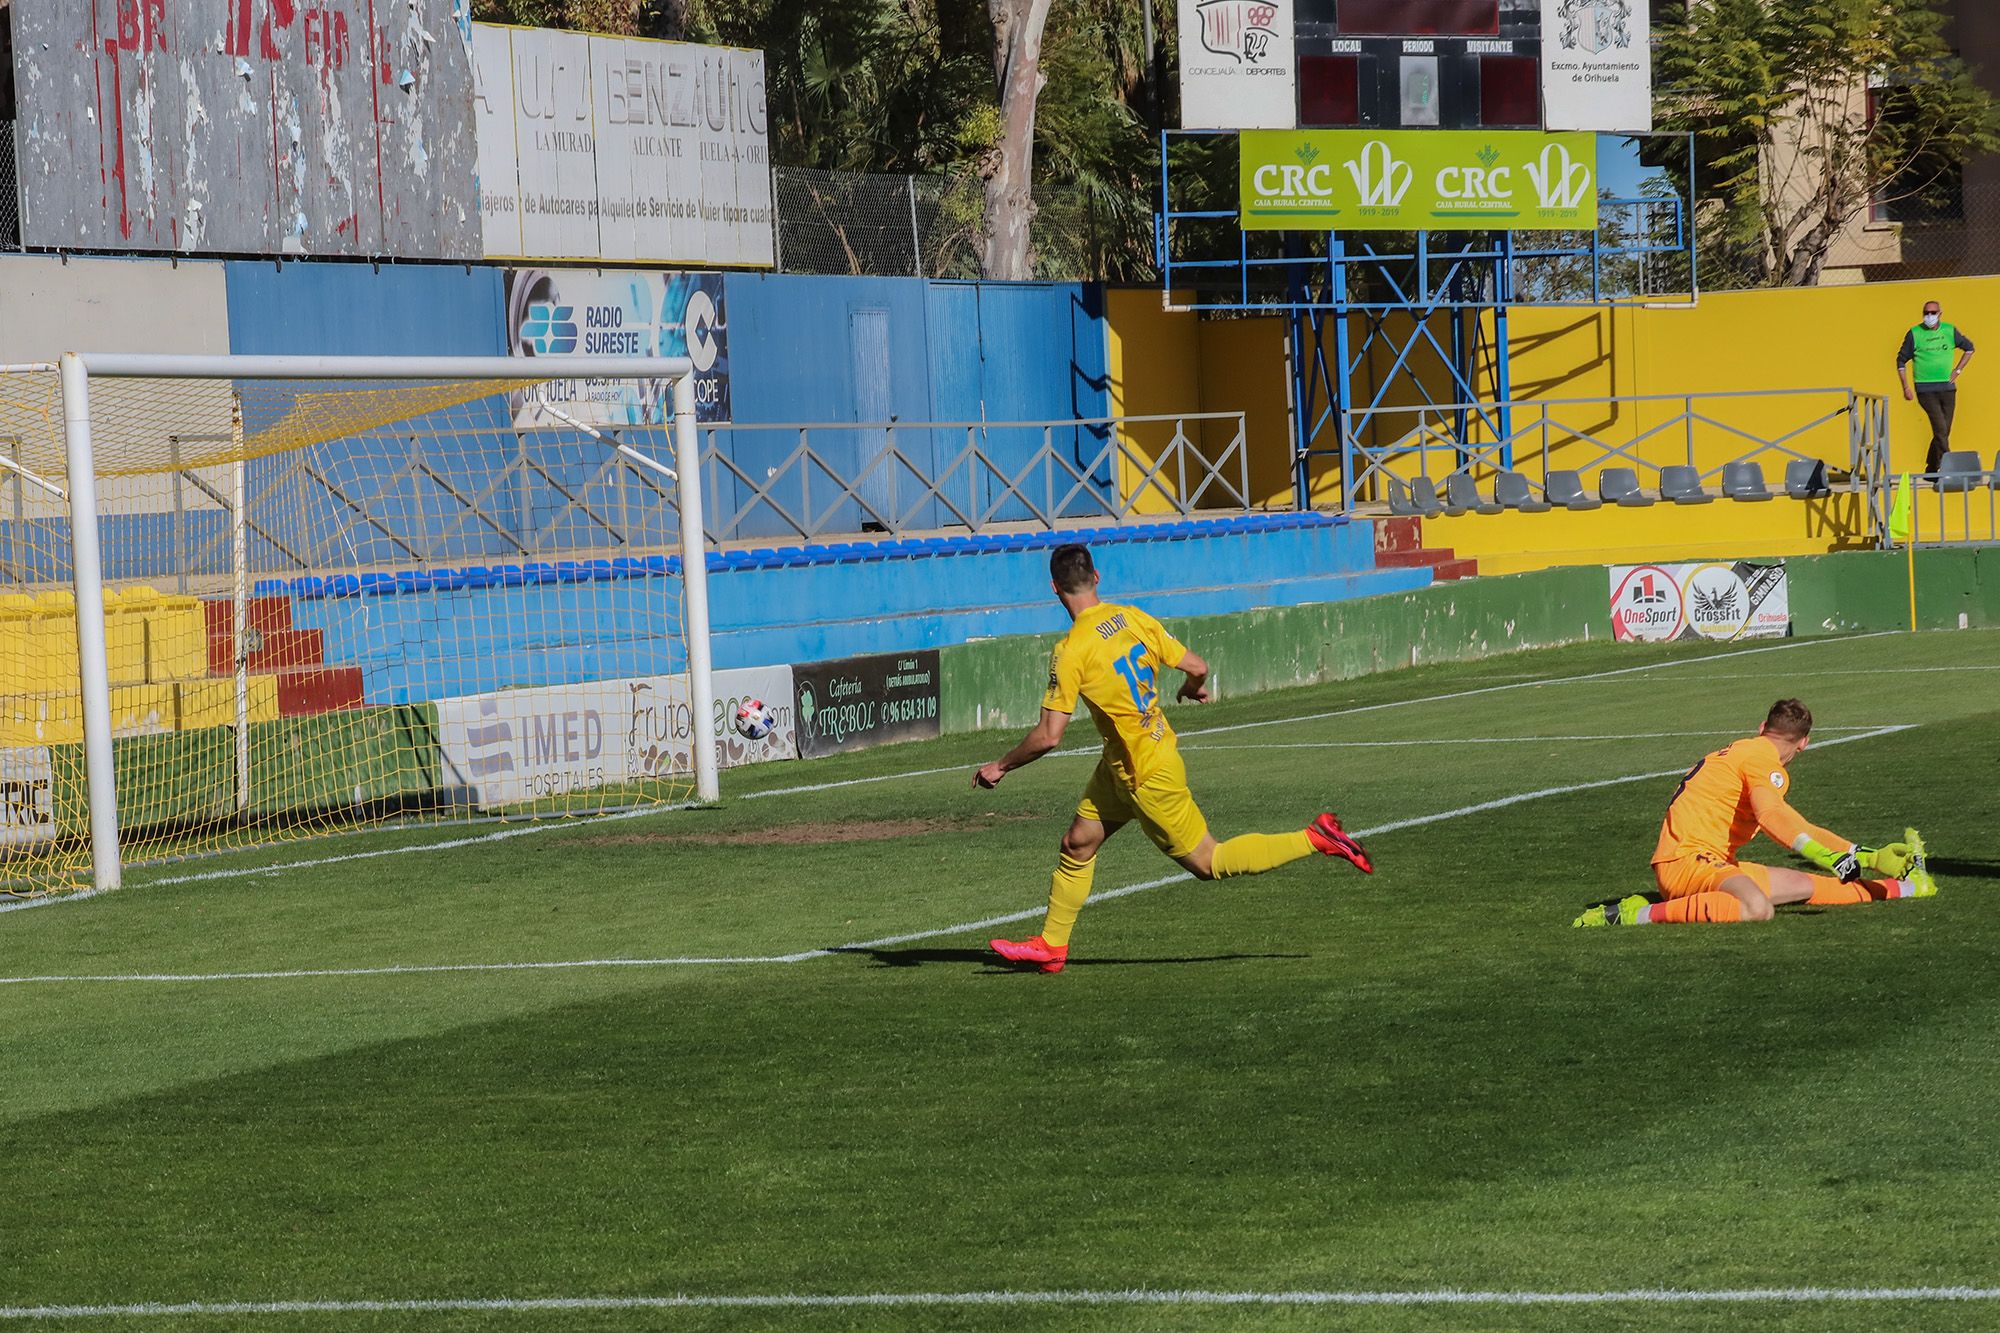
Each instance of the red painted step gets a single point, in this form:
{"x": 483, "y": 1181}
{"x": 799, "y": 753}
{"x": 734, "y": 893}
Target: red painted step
{"x": 309, "y": 690}
{"x": 1399, "y": 544}
{"x": 275, "y": 645}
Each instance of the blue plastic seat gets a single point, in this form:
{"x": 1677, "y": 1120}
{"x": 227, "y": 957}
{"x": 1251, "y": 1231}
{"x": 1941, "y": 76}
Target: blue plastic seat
{"x": 344, "y": 585}
{"x": 268, "y": 588}
{"x": 447, "y": 580}
{"x": 508, "y": 576}
{"x": 539, "y": 571}
{"x": 309, "y": 586}
{"x": 628, "y": 567}
{"x": 414, "y": 580}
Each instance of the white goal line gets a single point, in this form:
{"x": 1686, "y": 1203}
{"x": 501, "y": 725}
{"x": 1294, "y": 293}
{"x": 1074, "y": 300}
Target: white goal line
{"x": 945, "y": 1299}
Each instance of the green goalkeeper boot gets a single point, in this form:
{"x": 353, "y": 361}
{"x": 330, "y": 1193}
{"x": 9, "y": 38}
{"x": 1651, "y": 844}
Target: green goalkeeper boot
{"x": 1624, "y": 912}
{"x": 1919, "y": 874}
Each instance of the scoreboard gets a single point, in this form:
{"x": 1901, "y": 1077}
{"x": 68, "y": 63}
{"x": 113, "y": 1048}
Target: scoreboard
{"x": 1419, "y": 64}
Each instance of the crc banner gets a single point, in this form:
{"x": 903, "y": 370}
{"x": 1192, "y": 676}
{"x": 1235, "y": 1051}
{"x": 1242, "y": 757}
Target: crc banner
{"x": 1238, "y": 69}
{"x": 1723, "y": 601}
{"x": 335, "y": 127}
{"x": 512, "y": 746}
{"x": 1597, "y": 65}
{"x": 621, "y": 148}
{"x": 861, "y": 701}
{"x": 1417, "y": 180}
{"x": 584, "y": 312}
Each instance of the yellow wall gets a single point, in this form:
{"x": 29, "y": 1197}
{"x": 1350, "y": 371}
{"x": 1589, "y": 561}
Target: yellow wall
{"x": 1844, "y": 337}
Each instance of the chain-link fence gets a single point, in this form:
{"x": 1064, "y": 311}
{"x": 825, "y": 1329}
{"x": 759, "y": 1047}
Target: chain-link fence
{"x": 843, "y": 222}
{"x": 10, "y": 196}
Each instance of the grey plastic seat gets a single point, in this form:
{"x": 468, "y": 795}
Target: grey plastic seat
{"x": 1424, "y": 497}
{"x": 1461, "y": 496}
{"x": 1399, "y": 500}
{"x": 1744, "y": 481}
{"x": 1620, "y": 486}
{"x": 1959, "y": 470}
{"x": 1512, "y": 491}
{"x": 1805, "y": 479}
{"x": 1566, "y": 489}
{"x": 1682, "y": 484}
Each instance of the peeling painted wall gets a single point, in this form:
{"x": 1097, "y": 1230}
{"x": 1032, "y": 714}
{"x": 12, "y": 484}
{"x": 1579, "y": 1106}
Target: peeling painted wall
{"x": 330, "y": 127}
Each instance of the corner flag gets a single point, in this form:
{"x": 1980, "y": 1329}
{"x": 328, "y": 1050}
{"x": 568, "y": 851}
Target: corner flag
{"x": 1899, "y": 512}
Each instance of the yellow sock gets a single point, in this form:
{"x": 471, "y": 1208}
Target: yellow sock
{"x": 1066, "y": 895}
{"x": 1254, "y": 853}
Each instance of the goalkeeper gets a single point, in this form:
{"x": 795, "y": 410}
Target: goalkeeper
{"x": 1721, "y": 804}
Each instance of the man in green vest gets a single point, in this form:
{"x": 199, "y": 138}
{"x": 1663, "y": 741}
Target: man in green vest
{"x": 1941, "y": 354}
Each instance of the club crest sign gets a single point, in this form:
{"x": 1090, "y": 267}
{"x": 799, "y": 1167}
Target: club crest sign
{"x": 1238, "y": 70}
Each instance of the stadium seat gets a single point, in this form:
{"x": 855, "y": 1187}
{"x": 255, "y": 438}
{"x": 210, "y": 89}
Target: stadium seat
{"x": 1744, "y": 481}
{"x": 1513, "y": 491}
{"x": 1566, "y": 489}
{"x": 1681, "y": 483}
{"x": 1805, "y": 479}
{"x": 1424, "y": 497}
{"x": 1461, "y": 496}
{"x": 1959, "y": 470}
{"x": 268, "y": 588}
{"x": 1399, "y": 500}
{"x": 1620, "y": 486}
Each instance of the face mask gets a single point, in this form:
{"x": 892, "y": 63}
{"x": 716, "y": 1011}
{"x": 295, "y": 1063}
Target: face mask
{"x": 1931, "y": 321}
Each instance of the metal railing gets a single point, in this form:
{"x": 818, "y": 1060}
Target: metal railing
{"x": 434, "y": 496}
{"x": 811, "y": 480}
{"x": 1950, "y": 509}
{"x": 1846, "y": 430}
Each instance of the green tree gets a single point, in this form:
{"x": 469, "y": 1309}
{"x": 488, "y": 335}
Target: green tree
{"x": 1806, "y": 111}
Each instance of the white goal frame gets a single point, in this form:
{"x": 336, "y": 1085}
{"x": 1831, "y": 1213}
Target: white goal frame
{"x": 77, "y": 369}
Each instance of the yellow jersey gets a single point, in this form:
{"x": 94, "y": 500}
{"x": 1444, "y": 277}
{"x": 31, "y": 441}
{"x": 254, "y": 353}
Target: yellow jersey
{"x": 1111, "y": 659}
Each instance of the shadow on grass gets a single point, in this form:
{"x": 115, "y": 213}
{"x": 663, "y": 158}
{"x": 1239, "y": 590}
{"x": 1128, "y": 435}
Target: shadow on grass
{"x": 1957, "y": 868}
{"x": 987, "y": 958}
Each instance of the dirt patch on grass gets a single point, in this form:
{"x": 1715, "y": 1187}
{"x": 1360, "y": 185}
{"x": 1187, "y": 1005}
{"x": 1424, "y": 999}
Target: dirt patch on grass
{"x": 806, "y": 835}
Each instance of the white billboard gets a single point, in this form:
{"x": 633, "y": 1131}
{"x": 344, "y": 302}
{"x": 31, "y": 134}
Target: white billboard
{"x": 621, "y": 148}
{"x": 1597, "y": 66}
{"x": 1716, "y": 600}
{"x": 512, "y": 746}
{"x": 1238, "y": 67}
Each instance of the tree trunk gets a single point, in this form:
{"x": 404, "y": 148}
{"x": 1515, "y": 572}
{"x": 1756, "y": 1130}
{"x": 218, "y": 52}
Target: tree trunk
{"x": 1009, "y": 166}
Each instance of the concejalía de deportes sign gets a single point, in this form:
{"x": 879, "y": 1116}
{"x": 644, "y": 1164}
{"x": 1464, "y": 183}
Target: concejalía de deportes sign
{"x": 1417, "y": 180}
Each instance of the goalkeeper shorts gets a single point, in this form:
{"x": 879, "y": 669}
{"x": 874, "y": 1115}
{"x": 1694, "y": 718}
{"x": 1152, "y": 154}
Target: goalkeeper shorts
{"x": 1704, "y": 872}
{"x": 1162, "y": 804}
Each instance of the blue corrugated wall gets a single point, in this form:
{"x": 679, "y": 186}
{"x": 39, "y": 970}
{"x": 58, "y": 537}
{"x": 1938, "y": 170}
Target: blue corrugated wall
{"x": 357, "y": 310}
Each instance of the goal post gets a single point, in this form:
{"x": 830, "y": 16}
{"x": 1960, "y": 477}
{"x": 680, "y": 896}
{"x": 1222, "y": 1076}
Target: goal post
{"x": 338, "y": 591}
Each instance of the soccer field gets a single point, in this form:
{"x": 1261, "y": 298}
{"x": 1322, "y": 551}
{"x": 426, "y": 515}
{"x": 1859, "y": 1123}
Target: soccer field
{"x": 760, "y": 1051}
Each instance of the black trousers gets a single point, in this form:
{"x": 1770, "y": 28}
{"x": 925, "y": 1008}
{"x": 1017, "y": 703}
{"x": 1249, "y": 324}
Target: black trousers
{"x": 1940, "y": 404}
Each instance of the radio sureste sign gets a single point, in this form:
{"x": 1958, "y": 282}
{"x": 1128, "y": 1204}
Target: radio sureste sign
{"x": 1431, "y": 180}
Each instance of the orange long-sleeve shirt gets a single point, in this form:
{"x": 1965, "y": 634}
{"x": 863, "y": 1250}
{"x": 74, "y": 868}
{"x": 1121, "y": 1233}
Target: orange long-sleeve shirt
{"x": 1727, "y": 798}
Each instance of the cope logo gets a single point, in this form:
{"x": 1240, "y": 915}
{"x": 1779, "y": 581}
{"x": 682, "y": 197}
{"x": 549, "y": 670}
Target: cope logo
{"x": 550, "y": 329}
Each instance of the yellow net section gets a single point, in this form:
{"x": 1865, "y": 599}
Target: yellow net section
{"x": 333, "y": 605}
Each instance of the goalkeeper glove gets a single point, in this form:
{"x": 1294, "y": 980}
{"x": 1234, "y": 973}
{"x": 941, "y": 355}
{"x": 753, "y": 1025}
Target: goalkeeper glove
{"x": 1891, "y": 859}
{"x": 1844, "y": 865}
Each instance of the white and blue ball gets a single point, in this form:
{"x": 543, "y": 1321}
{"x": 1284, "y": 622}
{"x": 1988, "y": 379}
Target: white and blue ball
{"x": 753, "y": 720}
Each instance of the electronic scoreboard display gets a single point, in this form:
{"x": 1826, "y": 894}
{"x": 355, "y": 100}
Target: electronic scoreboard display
{"x": 1419, "y": 64}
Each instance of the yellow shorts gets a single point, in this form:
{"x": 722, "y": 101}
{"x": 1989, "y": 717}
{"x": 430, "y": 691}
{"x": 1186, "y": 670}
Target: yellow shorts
{"x": 1703, "y": 872}
{"x": 1162, "y": 804}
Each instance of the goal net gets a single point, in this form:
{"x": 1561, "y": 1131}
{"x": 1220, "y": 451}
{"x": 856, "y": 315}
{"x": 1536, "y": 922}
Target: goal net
{"x": 332, "y": 601}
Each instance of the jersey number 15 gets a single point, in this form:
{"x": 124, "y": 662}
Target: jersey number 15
{"x": 1139, "y": 678}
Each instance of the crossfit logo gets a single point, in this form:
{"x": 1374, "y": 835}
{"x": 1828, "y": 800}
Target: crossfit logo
{"x": 1560, "y": 180}
{"x": 1380, "y": 176}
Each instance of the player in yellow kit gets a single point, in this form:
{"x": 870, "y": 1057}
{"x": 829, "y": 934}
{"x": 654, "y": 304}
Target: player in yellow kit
{"x": 1111, "y": 659}
{"x": 1722, "y": 803}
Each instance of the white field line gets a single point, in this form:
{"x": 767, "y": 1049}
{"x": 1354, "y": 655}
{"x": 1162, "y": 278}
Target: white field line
{"x": 859, "y": 946}
{"x": 1860, "y": 671}
{"x": 1508, "y": 740}
{"x": 453, "y": 844}
{"x": 942, "y": 1299}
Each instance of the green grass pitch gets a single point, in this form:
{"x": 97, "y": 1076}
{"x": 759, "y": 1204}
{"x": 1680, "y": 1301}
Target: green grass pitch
{"x": 1308, "y": 1082}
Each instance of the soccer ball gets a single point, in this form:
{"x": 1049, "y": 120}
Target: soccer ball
{"x": 754, "y": 721}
